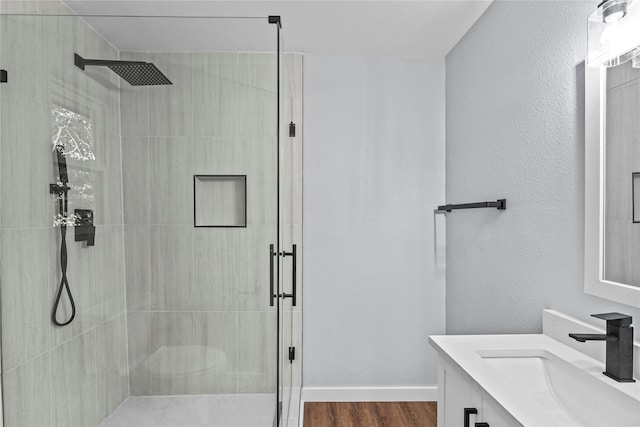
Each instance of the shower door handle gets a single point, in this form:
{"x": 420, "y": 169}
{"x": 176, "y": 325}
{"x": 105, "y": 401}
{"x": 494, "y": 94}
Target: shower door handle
{"x": 293, "y": 295}
{"x": 272, "y": 255}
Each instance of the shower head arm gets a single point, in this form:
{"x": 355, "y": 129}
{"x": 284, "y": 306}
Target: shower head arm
{"x": 80, "y": 62}
{"x": 136, "y": 73}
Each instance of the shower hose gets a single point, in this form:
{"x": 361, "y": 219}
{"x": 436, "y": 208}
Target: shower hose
{"x": 64, "y": 283}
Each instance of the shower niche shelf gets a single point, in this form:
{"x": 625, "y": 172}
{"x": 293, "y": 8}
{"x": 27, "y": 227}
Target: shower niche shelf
{"x": 220, "y": 200}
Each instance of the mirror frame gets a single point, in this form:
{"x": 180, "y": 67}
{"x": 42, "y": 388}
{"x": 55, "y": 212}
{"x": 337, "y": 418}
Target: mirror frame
{"x": 595, "y": 140}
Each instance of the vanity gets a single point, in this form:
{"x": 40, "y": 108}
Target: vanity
{"x": 554, "y": 379}
{"x": 531, "y": 380}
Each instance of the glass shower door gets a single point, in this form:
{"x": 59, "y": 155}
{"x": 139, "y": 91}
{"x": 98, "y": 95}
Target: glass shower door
{"x": 171, "y": 292}
{"x": 207, "y": 327}
{"x": 290, "y": 234}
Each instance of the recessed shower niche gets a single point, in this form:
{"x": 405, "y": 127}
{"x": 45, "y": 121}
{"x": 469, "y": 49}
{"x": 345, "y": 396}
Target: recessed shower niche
{"x": 220, "y": 200}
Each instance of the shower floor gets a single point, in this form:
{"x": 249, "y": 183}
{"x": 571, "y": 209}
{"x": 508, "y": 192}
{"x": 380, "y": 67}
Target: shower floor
{"x": 227, "y": 410}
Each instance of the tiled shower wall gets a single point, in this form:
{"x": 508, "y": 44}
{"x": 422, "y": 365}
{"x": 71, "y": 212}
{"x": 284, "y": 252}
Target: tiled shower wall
{"x": 74, "y": 375}
{"x": 622, "y": 235}
{"x": 198, "y": 311}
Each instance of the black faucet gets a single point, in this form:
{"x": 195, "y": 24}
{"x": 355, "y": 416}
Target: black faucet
{"x": 619, "y": 338}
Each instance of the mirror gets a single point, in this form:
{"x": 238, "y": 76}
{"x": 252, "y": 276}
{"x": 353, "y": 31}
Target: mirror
{"x": 622, "y": 165}
{"x": 612, "y": 186}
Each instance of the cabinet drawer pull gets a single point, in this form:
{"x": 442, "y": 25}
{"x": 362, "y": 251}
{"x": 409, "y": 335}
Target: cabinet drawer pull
{"x": 482, "y": 425}
{"x": 467, "y": 413}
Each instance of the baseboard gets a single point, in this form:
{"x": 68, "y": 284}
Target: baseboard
{"x": 370, "y": 394}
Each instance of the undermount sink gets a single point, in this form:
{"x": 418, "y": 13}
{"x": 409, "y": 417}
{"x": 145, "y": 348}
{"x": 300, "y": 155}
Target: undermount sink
{"x": 534, "y": 380}
{"x": 573, "y": 395}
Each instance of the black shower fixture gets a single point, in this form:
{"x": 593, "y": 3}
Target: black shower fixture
{"x": 136, "y": 73}
{"x": 61, "y": 190}
{"x": 85, "y": 230}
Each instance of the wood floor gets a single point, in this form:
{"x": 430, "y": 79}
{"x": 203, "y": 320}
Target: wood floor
{"x": 370, "y": 414}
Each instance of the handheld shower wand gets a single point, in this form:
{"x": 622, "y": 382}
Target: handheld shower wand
{"x": 62, "y": 164}
{"x": 61, "y": 190}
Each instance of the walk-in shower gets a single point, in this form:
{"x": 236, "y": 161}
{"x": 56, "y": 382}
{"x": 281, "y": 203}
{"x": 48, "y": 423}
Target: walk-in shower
{"x": 150, "y": 221}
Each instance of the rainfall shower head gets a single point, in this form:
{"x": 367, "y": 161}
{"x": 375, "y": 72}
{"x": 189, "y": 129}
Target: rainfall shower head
{"x": 136, "y": 73}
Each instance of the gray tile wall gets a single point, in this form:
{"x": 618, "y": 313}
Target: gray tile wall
{"x": 622, "y": 236}
{"x": 74, "y": 375}
{"x": 198, "y": 311}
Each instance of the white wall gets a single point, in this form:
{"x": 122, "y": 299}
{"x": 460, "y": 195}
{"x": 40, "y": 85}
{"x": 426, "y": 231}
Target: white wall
{"x": 373, "y": 173}
{"x": 515, "y": 129}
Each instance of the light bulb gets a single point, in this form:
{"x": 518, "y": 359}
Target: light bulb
{"x": 615, "y": 16}
{"x": 613, "y": 10}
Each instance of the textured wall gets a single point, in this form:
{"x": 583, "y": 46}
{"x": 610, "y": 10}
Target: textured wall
{"x": 373, "y": 173}
{"x": 515, "y": 130}
{"x": 77, "y": 374}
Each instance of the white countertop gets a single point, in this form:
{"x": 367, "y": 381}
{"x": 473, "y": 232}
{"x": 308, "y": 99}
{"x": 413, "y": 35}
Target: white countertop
{"x": 461, "y": 350}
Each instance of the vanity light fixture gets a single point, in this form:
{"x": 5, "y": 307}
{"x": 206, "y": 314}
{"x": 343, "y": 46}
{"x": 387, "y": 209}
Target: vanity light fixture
{"x": 613, "y": 10}
{"x": 614, "y": 33}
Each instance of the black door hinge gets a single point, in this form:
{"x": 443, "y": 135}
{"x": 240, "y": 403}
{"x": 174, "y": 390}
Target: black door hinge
{"x": 292, "y": 354}
{"x": 3, "y": 76}
{"x": 292, "y": 130}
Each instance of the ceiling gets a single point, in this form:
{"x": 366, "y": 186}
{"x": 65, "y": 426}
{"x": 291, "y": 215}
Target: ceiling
{"x": 390, "y": 28}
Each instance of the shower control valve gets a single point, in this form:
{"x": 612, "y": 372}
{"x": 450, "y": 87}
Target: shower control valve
{"x": 85, "y": 230}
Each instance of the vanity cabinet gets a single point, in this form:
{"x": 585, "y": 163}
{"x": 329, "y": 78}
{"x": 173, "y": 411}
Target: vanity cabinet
{"x": 457, "y": 392}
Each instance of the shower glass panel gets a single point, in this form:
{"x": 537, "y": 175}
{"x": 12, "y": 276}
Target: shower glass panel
{"x": 98, "y": 204}
{"x": 290, "y": 234}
